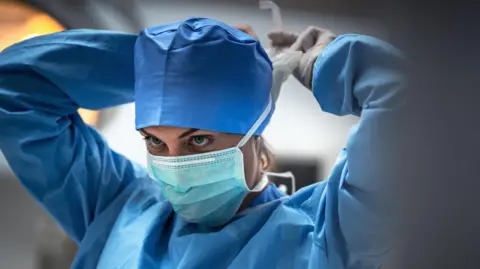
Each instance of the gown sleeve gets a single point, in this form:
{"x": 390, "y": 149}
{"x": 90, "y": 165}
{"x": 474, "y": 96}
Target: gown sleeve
{"x": 65, "y": 164}
{"x": 362, "y": 76}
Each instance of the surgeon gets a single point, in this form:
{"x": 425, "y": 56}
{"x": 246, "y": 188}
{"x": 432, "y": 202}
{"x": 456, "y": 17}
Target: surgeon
{"x": 202, "y": 93}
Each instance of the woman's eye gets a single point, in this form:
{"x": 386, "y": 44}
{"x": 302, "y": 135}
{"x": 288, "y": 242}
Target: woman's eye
{"x": 153, "y": 141}
{"x": 200, "y": 140}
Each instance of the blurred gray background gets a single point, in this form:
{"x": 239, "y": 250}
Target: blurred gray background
{"x": 299, "y": 129}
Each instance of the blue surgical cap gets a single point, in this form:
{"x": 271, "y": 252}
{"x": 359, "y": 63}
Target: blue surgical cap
{"x": 203, "y": 74}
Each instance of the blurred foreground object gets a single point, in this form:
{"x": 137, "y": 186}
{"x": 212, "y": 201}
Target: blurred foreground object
{"x": 19, "y": 21}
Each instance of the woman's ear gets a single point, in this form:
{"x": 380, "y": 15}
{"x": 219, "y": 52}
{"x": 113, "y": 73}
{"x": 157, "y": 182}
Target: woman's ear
{"x": 265, "y": 163}
{"x": 264, "y": 154}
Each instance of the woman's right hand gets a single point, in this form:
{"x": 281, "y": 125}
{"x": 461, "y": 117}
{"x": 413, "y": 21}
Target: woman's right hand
{"x": 311, "y": 42}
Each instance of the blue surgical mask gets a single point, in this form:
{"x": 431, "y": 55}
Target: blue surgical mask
{"x": 206, "y": 188}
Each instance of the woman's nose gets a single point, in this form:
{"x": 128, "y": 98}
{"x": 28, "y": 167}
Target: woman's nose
{"x": 175, "y": 151}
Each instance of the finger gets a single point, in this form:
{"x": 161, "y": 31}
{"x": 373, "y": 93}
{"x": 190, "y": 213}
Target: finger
{"x": 282, "y": 39}
{"x": 325, "y": 38}
{"x": 307, "y": 39}
{"x": 313, "y": 36}
{"x": 247, "y": 29}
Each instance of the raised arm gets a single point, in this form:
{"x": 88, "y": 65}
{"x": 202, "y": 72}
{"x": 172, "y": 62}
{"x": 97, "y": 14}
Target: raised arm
{"x": 363, "y": 76}
{"x": 65, "y": 164}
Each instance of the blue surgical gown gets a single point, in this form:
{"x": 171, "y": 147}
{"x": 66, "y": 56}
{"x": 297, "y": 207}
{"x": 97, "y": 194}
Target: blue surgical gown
{"x": 116, "y": 213}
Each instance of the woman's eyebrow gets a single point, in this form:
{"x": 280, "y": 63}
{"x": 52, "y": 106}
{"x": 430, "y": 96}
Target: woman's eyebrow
{"x": 145, "y": 133}
{"x": 191, "y": 131}
{"x": 188, "y": 132}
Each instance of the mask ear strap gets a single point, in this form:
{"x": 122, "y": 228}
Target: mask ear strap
{"x": 260, "y": 185}
{"x": 257, "y": 124}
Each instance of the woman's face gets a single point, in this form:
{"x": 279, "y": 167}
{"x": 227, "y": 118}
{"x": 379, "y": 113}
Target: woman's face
{"x": 175, "y": 141}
